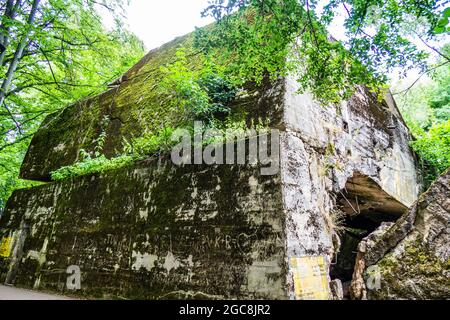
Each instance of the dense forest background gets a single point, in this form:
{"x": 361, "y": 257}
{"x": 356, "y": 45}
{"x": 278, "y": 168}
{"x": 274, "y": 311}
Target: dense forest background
{"x": 55, "y": 52}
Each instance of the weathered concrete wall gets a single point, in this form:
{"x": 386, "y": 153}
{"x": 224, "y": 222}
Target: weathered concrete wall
{"x": 323, "y": 147}
{"x": 362, "y": 135}
{"x": 152, "y": 231}
{"x": 157, "y": 230}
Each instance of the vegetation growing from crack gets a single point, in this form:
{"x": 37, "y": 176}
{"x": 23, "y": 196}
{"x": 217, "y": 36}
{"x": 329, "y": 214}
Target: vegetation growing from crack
{"x": 199, "y": 95}
{"x": 154, "y": 144}
{"x": 150, "y": 145}
{"x": 202, "y": 94}
{"x": 92, "y": 163}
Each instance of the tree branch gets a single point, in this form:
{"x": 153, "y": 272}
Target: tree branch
{"x": 405, "y": 91}
{"x": 18, "y": 127}
{"x": 19, "y": 51}
{"x": 432, "y": 48}
{"x": 7, "y": 145}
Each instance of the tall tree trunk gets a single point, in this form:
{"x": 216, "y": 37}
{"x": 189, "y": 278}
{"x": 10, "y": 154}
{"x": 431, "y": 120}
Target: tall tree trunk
{"x": 10, "y": 14}
{"x": 3, "y": 28}
{"x": 18, "y": 54}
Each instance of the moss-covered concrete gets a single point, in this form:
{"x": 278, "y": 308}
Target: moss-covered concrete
{"x": 411, "y": 258}
{"x": 135, "y": 106}
{"x": 153, "y": 231}
{"x": 413, "y": 273}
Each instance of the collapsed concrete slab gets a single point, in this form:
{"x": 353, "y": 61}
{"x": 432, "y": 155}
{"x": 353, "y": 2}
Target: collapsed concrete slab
{"x": 157, "y": 230}
{"x": 409, "y": 259}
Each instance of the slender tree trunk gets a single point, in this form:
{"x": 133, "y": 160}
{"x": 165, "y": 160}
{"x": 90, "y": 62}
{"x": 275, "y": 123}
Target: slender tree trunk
{"x": 18, "y": 54}
{"x": 10, "y": 14}
{"x": 3, "y": 28}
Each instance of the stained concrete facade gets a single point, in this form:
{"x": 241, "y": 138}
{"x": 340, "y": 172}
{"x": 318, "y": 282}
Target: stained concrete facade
{"x": 157, "y": 230}
{"x": 323, "y": 148}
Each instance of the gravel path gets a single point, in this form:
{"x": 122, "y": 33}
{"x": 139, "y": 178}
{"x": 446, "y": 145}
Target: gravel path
{"x": 11, "y": 293}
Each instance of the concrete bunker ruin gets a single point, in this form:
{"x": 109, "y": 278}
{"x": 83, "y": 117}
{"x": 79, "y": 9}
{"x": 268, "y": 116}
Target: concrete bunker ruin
{"x": 156, "y": 230}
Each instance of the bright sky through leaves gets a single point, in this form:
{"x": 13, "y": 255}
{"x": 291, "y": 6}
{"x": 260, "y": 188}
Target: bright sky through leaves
{"x": 156, "y": 22}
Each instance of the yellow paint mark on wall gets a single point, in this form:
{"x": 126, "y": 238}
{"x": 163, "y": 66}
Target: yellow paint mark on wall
{"x": 5, "y": 247}
{"x": 310, "y": 278}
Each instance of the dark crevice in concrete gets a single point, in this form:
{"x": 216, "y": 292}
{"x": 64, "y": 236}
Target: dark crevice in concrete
{"x": 365, "y": 206}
